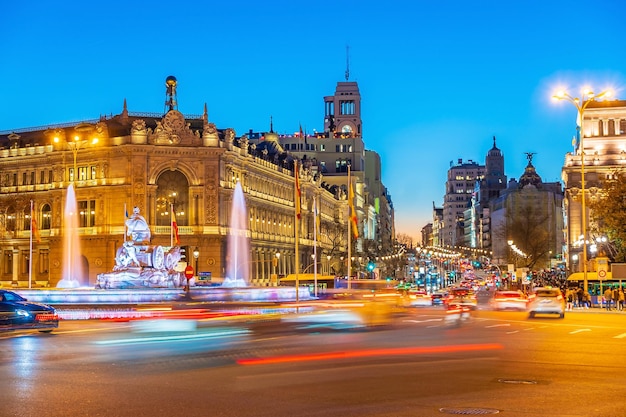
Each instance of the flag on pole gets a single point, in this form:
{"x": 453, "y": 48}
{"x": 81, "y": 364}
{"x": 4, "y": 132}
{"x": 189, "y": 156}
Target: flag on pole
{"x": 175, "y": 228}
{"x": 298, "y": 192}
{"x": 316, "y": 212}
{"x": 353, "y": 217}
{"x": 301, "y": 132}
{"x": 33, "y": 225}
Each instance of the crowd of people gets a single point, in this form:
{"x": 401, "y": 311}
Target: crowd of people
{"x": 612, "y": 298}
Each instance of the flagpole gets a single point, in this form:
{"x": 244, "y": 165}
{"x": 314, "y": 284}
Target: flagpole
{"x": 30, "y": 258}
{"x": 349, "y": 233}
{"x": 125, "y": 218}
{"x": 171, "y": 225}
{"x": 315, "y": 214}
{"x": 297, "y": 226}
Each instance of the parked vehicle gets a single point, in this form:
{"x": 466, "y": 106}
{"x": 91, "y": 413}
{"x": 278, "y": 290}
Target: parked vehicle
{"x": 17, "y": 313}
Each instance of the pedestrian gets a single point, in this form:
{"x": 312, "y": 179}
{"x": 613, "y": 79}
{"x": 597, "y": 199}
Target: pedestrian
{"x": 620, "y": 299}
{"x": 580, "y": 297}
{"x": 569, "y": 294}
{"x": 608, "y": 296}
{"x": 587, "y": 300}
{"x": 616, "y": 297}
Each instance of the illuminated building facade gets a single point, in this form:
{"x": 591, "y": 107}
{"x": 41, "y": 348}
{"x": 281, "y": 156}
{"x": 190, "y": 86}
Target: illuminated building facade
{"x": 156, "y": 162}
{"x": 604, "y": 130}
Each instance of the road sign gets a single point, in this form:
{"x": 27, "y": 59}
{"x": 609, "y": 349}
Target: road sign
{"x": 189, "y": 272}
{"x": 602, "y": 266}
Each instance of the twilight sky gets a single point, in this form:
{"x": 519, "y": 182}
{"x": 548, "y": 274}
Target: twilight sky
{"x": 438, "y": 79}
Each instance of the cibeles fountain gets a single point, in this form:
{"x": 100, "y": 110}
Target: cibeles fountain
{"x": 139, "y": 264}
{"x": 148, "y": 273}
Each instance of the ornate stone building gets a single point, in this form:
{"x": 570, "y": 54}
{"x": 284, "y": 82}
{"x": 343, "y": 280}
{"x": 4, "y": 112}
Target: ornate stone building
{"x": 604, "y": 130}
{"x": 156, "y": 162}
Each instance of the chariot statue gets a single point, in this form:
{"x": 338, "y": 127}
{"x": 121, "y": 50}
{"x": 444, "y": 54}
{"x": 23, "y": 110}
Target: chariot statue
{"x": 140, "y": 264}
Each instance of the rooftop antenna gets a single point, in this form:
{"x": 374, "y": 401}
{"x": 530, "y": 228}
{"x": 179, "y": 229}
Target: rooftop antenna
{"x": 347, "y": 62}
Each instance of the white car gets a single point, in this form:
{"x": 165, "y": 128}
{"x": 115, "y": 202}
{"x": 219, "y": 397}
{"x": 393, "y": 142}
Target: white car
{"x": 418, "y": 298}
{"x": 509, "y": 300}
{"x": 546, "y": 300}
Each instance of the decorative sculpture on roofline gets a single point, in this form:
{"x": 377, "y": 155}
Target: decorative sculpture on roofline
{"x": 139, "y": 264}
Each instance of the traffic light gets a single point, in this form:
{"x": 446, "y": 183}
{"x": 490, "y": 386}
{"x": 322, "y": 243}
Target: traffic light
{"x": 370, "y": 266}
{"x": 183, "y": 253}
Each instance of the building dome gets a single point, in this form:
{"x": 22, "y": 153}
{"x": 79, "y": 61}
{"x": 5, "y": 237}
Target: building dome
{"x": 530, "y": 177}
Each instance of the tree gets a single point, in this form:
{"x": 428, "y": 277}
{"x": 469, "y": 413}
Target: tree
{"x": 404, "y": 239}
{"x": 525, "y": 226}
{"x": 608, "y": 215}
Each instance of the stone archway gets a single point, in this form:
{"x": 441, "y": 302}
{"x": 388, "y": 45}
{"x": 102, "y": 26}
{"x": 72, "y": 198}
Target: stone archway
{"x": 172, "y": 192}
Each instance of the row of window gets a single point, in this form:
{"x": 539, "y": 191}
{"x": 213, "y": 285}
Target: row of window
{"x": 28, "y": 178}
{"x": 318, "y": 148}
{"x": 45, "y": 177}
{"x": 12, "y": 217}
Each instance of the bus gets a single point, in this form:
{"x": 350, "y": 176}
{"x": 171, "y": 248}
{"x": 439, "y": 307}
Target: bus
{"x": 595, "y": 285}
{"x": 366, "y": 284}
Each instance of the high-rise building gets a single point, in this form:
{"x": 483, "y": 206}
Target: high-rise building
{"x": 477, "y": 219}
{"x": 460, "y": 185}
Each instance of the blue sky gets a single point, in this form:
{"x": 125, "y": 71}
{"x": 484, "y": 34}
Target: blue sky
{"x": 438, "y": 79}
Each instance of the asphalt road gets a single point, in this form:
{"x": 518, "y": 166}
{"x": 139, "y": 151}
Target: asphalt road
{"x": 497, "y": 363}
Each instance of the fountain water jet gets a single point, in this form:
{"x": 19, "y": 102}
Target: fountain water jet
{"x": 238, "y": 243}
{"x": 72, "y": 271}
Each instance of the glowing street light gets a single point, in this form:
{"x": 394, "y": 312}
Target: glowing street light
{"x": 581, "y": 104}
{"x": 74, "y": 145}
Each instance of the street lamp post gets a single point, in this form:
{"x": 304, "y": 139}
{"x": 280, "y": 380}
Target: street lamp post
{"x": 277, "y": 271}
{"x": 196, "y": 255}
{"x": 581, "y": 104}
{"x": 74, "y": 146}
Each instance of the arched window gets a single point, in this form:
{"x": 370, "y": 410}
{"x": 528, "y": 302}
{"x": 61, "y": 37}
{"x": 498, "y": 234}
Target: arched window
{"x": 11, "y": 219}
{"x": 46, "y": 216}
{"x": 172, "y": 192}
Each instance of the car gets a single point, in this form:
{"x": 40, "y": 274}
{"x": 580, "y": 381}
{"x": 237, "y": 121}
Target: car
{"x": 509, "y": 300}
{"x": 546, "y": 300}
{"x": 439, "y": 297}
{"x": 17, "y": 313}
{"x": 462, "y": 297}
{"x": 419, "y": 298}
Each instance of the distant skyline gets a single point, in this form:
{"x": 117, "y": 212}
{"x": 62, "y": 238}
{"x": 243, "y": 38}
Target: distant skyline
{"x": 437, "y": 79}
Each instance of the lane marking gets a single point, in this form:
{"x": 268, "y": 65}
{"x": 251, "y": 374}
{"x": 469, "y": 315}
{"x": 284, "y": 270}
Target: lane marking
{"x": 579, "y": 331}
{"x": 421, "y": 321}
{"x": 498, "y": 325}
{"x": 620, "y": 336}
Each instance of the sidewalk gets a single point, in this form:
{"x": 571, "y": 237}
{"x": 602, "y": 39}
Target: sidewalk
{"x": 594, "y": 309}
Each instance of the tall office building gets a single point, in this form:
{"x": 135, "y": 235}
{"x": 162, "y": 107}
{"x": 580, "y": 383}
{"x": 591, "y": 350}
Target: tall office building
{"x": 460, "y": 186}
